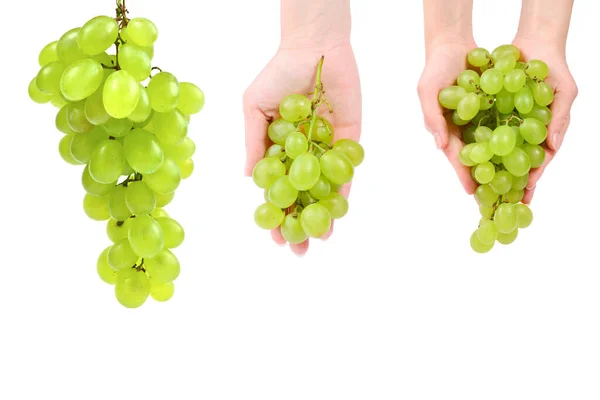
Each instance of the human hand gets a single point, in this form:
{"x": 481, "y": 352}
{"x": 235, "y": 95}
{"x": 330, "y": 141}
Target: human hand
{"x": 565, "y": 92}
{"x": 444, "y": 62}
{"x": 292, "y": 70}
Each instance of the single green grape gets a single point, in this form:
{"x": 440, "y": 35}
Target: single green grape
{"x": 502, "y": 182}
{"x": 68, "y": 49}
{"x": 485, "y": 195}
{"x": 159, "y": 213}
{"x": 117, "y": 203}
{"x": 186, "y": 168}
{"x": 279, "y": 130}
{"x": 117, "y": 127}
{"x": 117, "y": 230}
{"x": 478, "y": 246}
{"x": 191, "y": 98}
{"x": 487, "y": 233}
{"x": 542, "y": 114}
{"x": 76, "y": 117}
{"x": 181, "y": 151}
{"x": 64, "y": 149}
{"x": 351, "y": 149}
{"x": 121, "y": 255}
{"x": 515, "y": 196}
{"x": 468, "y": 135}
{"x": 482, "y": 134}
{"x": 321, "y": 189}
{"x": 268, "y": 216}
{"x": 533, "y": 130}
{"x": 104, "y": 270}
{"x": 95, "y": 188}
{"x": 267, "y": 171}
{"x": 543, "y": 94}
{"x": 83, "y": 145}
{"x": 465, "y": 155}
{"x": 336, "y": 204}
{"x": 536, "y": 154}
{"x": 161, "y": 291}
{"x": 478, "y": 57}
{"x": 81, "y": 79}
{"x": 506, "y": 50}
{"x": 507, "y": 238}
{"x": 505, "y": 101}
{"x": 282, "y": 194}
{"x": 132, "y": 288}
{"x": 121, "y": 94}
{"x": 49, "y": 76}
{"x": 537, "y": 69}
{"x": 96, "y": 208}
{"x": 139, "y": 198}
{"x": 519, "y": 182}
{"x": 142, "y": 31}
{"x": 163, "y": 91}
{"x": 517, "y": 162}
{"x": 457, "y": 120}
{"x": 135, "y": 60}
{"x": 524, "y": 216}
{"x": 315, "y": 220}
{"x": 468, "y": 80}
{"x": 468, "y": 107}
{"x": 322, "y": 130}
{"x": 486, "y": 101}
{"x": 492, "y": 81}
{"x": 163, "y": 268}
{"x": 486, "y": 212}
{"x": 61, "y": 121}
{"x": 484, "y": 172}
{"x": 306, "y": 170}
{"x": 172, "y": 231}
{"x": 36, "y": 94}
{"x": 503, "y": 140}
{"x": 296, "y": 144}
{"x": 277, "y": 151}
{"x": 48, "y": 54}
{"x": 450, "y": 96}
{"x": 524, "y": 100}
{"x": 481, "y": 153}
{"x": 505, "y": 218}
{"x": 145, "y": 236}
{"x": 94, "y": 110}
{"x": 292, "y": 231}
{"x": 295, "y": 107}
{"x": 97, "y": 35}
{"x": 107, "y": 161}
{"x": 142, "y": 111}
{"x": 164, "y": 199}
{"x": 336, "y": 167}
{"x": 515, "y": 80}
{"x": 143, "y": 152}
{"x": 166, "y": 179}
{"x": 170, "y": 127}
{"x": 506, "y": 63}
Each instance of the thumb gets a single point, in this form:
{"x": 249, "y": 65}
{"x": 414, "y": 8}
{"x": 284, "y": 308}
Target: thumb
{"x": 433, "y": 113}
{"x": 256, "y": 125}
{"x": 561, "y": 115}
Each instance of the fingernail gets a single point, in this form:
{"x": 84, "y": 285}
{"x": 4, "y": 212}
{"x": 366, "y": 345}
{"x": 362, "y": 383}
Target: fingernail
{"x": 438, "y": 140}
{"x": 530, "y": 187}
{"x": 556, "y": 140}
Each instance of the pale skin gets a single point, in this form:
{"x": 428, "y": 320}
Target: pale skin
{"x": 309, "y": 29}
{"x": 542, "y": 34}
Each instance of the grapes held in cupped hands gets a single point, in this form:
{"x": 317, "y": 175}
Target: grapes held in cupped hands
{"x": 502, "y": 108}
{"x": 127, "y": 124}
{"x": 304, "y": 169}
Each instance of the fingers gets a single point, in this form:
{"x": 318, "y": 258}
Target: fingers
{"x": 328, "y": 234}
{"x": 256, "y": 125}
{"x": 528, "y": 196}
{"x": 277, "y": 237}
{"x": 432, "y": 112}
{"x": 535, "y": 175}
{"x": 452, "y": 151}
{"x": 300, "y": 249}
{"x": 561, "y": 114}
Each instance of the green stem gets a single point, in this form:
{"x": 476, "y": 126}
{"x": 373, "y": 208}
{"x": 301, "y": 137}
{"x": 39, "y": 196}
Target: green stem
{"x": 319, "y": 147}
{"x": 316, "y": 98}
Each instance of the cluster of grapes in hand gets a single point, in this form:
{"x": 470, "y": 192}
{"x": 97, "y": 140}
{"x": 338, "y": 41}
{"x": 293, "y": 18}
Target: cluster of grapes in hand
{"x": 129, "y": 131}
{"x": 304, "y": 169}
{"x": 501, "y": 105}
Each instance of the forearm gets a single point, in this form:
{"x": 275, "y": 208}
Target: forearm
{"x": 448, "y": 21}
{"x": 546, "y": 20}
{"x": 315, "y": 23}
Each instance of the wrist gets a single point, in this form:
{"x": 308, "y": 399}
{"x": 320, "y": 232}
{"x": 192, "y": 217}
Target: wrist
{"x": 541, "y": 37}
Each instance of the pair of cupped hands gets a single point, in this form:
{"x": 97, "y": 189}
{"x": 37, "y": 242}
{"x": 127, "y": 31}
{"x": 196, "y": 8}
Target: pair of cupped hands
{"x": 293, "y": 71}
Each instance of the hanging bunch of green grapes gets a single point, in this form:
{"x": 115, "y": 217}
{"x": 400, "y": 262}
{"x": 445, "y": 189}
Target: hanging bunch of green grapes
{"x": 126, "y": 123}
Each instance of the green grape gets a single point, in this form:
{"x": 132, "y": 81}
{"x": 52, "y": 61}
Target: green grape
{"x": 121, "y": 94}
{"x": 321, "y": 189}
{"x": 487, "y": 233}
{"x": 117, "y": 230}
{"x": 96, "y": 208}
{"x": 67, "y": 48}
{"x": 517, "y": 162}
{"x": 161, "y": 291}
{"x": 484, "y": 173}
{"x": 186, "y": 168}
{"x": 163, "y": 92}
{"x": 543, "y": 94}
{"x": 166, "y": 179}
{"x": 315, "y": 220}
{"x": 305, "y": 199}
{"x": 268, "y": 216}
{"x": 468, "y": 107}
{"x": 83, "y": 145}
{"x": 117, "y": 127}
{"x": 276, "y": 151}
{"x": 536, "y": 154}
{"x": 468, "y": 80}
{"x": 36, "y": 94}
{"x": 351, "y": 149}
{"x": 76, "y": 118}
{"x": 468, "y": 135}
{"x": 95, "y": 188}
{"x": 97, "y": 35}
{"x": 533, "y": 130}
{"x": 58, "y": 101}
{"x": 322, "y": 130}
{"x": 48, "y": 54}
{"x": 506, "y": 218}
{"x": 478, "y": 246}
{"x": 465, "y": 155}
{"x": 296, "y": 144}
{"x": 515, "y": 196}
{"x": 163, "y": 268}
{"x": 107, "y": 161}
{"x": 519, "y": 138}
{"x": 450, "y": 96}
{"x": 132, "y": 288}
{"x": 478, "y": 57}
{"x": 524, "y": 100}
{"x": 485, "y": 195}
{"x": 48, "y": 78}
{"x": 142, "y": 32}
{"x": 479, "y": 119}
{"x": 81, "y": 79}
{"x": 506, "y": 63}
{"x": 336, "y": 167}
{"x": 170, "y": 127}
{"x": 457, "y": 120}
{"x": 502, "y": 182}
{"x": 486, "y": 212}
{"x": 172, "y": 231}
{"x": 482, "y": 134}
{"x": 505, "y": 101}
{"x": 267, "y": 171}
{"x": 295, "y": 107}
{"x": 181, "y": 151}
{"x": 94, "y": 110}
{"x": 507, "y": 238}
{"x": 519, "y": 182}
{"x": 159, "y": 213}
{"x": 515, "y": 80}
{"x": 524, "y": 216}
{"x": 496, "y": 160}
{"x": 492, "y": 81}
{"x": 104, "y": 270}
{"x": 279, "y": 130}
{"x": 64, "y": 148}
{"x": 336, "y": 204}
{"x": 537, "y": 69}
{"x": 542, "y": 114}
{"x": 145, "y": 236}
{"x": 292, "y": 231}
{"x": 163, "y": 199}
{"x": 486, "y": 101}
{"x": 121, "y": 255}
{"x": 191, "y": 98}
{"x": 506, "y": 50}
{"x": 481, "y": 153}
{"x": 143, "y": 152}
{"x": 117, "y": 203}
{"x": 135, "y": 60}
{"x": 305, "y": 171}
{"x": 503, "y": 140}
{"x": 282, "y": 194}
{"x": 142, "y": 110}
{"x": 106, "y": 60}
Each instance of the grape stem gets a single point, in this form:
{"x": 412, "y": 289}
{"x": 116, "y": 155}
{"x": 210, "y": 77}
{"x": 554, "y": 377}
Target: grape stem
{"x": 140, "y": 267}
{"x": 316, "y": 97}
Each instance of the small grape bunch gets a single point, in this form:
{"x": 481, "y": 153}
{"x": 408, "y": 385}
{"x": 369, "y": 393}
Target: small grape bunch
{"x": 501, "y": 106}
{"x": 128, "y": 129}
{"x": 304, "y": 169}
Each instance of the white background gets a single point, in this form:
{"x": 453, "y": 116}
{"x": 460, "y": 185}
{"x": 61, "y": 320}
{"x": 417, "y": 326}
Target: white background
{"x": 394, "y": 306}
